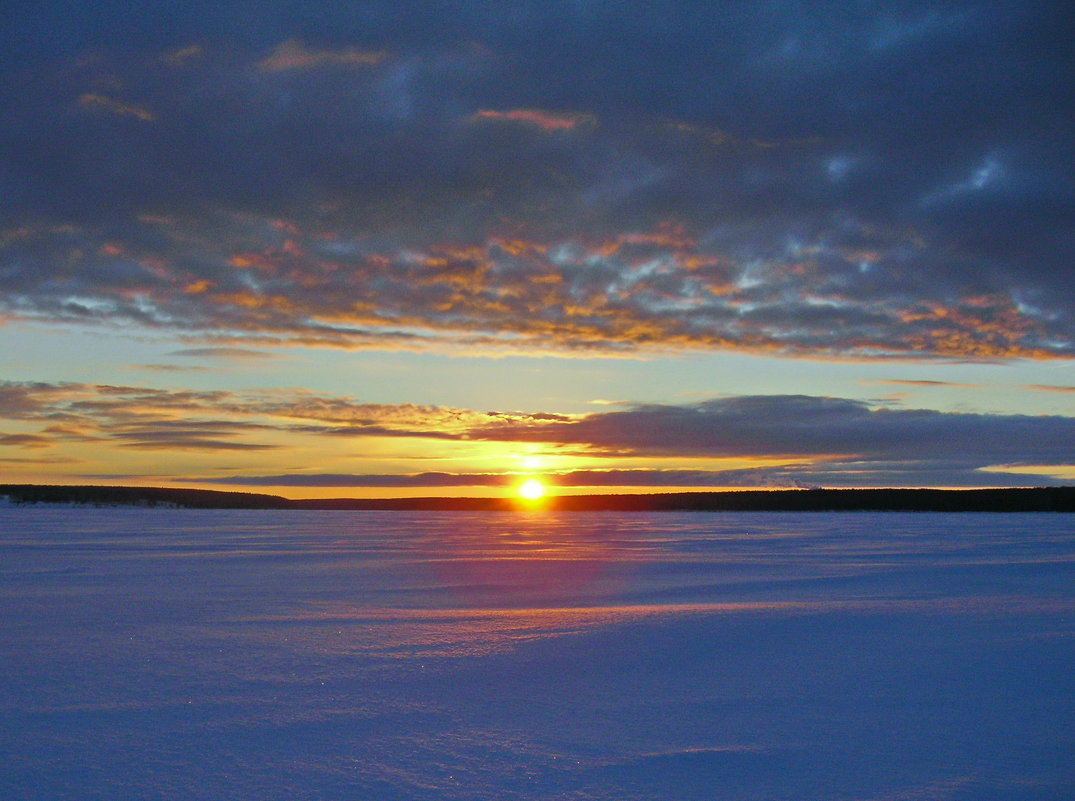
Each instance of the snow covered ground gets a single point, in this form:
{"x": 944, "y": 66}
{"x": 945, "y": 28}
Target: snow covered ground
{"x": 172, "y": 654}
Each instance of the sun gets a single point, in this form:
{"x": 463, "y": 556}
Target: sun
{"x": 531, "y": 489}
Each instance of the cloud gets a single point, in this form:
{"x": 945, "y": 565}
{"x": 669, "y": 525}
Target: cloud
{"x": 896, "y": 382}
{"x": 21, "y": 462}
{"x": 836, "y": 440}
{"x": 237, "y": 354}
{"x": 762, "y": 179}
{"x": 293, "y": 55}
{"x": 1049, "y": 388}
{"x": 431, "y": 479}
{"x": 98, "y": 102}
{"x": 631, "y": 292}
{"x": 23, "y": 440}
{"x": 183, "y": 56}
{"x": 179, "y": 441}
{"x": 170, "y": 368}
{"x": 127, "y": 417}
{"x": 548, "y": 121}
{"x": 148, "y": 418}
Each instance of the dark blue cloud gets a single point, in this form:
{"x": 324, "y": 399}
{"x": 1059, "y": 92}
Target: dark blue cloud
{"x": 843, "y": 436}
{"x": 878, "y": 164}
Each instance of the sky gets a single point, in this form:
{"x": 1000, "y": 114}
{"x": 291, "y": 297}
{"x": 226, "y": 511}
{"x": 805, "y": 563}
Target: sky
{"x": 435, "y": 248}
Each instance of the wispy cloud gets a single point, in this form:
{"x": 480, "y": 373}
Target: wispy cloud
{"x": 159, "y": 419}
{"x": 171, "y": 368}
{"x": 234, "y": 354}
{"x": 925, "y": 384}
{"x": 430, "y": 479}
{"x": 294, "y": 55}
{"x": 98, "y": 102}
{"x": 48, "y": 460}
{"x": 182, "y": 56}
{"x": 23, "y": 440}
{"x": 548, "y": 121}
{"x": 1049, "y": 388}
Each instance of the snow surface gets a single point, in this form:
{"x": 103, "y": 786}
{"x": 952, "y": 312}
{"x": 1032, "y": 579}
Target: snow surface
{"x": 180, "y": 654}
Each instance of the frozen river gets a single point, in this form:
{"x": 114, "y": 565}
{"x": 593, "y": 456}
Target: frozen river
{"x": 173, "y": 654}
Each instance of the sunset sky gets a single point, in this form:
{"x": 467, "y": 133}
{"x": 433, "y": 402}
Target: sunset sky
{"x": 435, "y": 248}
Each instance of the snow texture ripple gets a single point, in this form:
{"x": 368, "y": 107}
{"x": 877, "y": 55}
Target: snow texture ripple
{"x": 177, "y": 654}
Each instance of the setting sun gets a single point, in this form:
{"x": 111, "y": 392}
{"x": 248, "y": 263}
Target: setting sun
{"x": 531, "y": 489}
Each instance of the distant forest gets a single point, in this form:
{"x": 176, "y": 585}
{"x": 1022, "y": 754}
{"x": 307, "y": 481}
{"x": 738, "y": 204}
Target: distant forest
{"x": 1022, "y": 499}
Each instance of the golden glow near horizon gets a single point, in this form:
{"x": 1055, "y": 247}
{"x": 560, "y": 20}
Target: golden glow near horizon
{"x": 531, "y": 489}
{"x": 305, "y": 444}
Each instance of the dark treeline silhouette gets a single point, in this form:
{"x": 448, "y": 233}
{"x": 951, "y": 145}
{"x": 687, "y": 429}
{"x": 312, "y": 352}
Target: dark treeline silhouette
{"x": 1019, "y": 499}
{"x": 141, "y": 496}
{"x": 1029, "y": 499}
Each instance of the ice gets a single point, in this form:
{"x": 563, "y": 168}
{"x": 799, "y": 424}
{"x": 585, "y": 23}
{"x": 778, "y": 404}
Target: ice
{"x": 180, "y": 654}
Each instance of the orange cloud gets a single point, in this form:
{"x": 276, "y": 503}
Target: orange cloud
{"x": 197, "y": 287}
{"x": 181, "y": 55}
{"x": 545, "y": 120}
{"x": 23, "y": 440}
{"x": 656, "y": 289}
{"x": 100, "y": 102}
{"x": 293, "y": 55}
